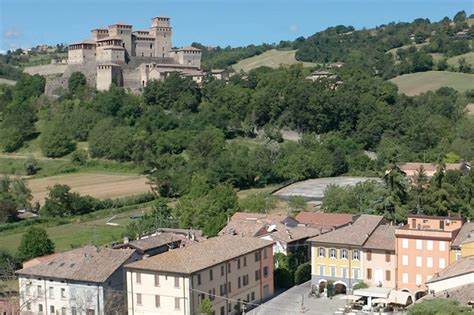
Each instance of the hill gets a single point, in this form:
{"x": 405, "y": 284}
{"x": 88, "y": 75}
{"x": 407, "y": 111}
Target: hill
{"x": 272, "y": 58}
{"x": 417, "y": 83}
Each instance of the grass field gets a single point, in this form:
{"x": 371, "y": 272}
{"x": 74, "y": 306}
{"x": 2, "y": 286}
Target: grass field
{"x": 272, "y": 58}
{"x": 97, "y": 185}
{"x": 7, "y": 81}
{"x": 469, "y": 59}
{"x": 95, "y": 231}
{"x": 393, "y": 51}
{"x": 417, "y": 83}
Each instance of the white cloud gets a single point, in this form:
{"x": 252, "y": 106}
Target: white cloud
{"x": 293, "y": 28}
{"x": 11, "y": 33}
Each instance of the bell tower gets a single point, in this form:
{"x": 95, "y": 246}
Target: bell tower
{"x": 161, "y": 31}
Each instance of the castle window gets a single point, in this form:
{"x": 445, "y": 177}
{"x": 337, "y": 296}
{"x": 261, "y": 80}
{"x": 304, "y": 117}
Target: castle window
{"x": 151, "y": 46}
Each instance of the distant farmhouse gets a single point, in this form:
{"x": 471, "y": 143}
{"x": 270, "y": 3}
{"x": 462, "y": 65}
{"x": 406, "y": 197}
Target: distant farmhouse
{"x": 128, "y": 58}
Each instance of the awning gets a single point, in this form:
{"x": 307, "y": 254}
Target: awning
{"x": 380, "y": 301}
{"x": 400, "y": 298}
{"x": 374, "y": 292}
{"x": 350, "y": 297}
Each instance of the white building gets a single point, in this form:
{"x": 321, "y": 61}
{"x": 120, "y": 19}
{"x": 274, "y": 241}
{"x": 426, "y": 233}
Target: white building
{"x": 455, "y": 275}
{"x": 86, "y": 280}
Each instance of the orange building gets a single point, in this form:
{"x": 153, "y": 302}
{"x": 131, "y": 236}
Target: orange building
{"x": 423, "y": 249}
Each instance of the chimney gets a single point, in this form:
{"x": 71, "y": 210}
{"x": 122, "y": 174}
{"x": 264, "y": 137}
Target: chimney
{"x": 449, "y": 213}
{"x": 126, "y": 240}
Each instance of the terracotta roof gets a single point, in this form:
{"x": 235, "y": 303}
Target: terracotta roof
{"x": 249, "y": 228}
{"x": 382, "y": 238}
{"x": 89, "y": 264}
{"x": 292, "y": 234}
{"x": 465, "y": 233}
{"x": 354, "y": 234}
{"x": 86, "y": 41}
{"x": 324, "y": 219}
{"x": 155, "y": 241}
{"x": 462, "y": 266}
{"x": 115, "y": 37}
{"x": 464, "y": 294}
{"x": 187, "y": 260}
{"x": 38, "y": 260}
{"x": 269, "y": 218}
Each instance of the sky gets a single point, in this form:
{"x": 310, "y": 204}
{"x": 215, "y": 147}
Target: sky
{"x": 27, "y": 23}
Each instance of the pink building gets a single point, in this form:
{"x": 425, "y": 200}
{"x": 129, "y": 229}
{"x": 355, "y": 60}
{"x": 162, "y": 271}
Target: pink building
{"x": 423, "y": 249}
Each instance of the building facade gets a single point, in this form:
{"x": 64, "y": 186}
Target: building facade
{"x": 233, "y": 272}
{"x": 423, "y": 249}
{"x": 87, "y": 280}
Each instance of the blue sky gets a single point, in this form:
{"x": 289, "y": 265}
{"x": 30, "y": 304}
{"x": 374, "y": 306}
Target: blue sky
{"x": 25, "y": 23}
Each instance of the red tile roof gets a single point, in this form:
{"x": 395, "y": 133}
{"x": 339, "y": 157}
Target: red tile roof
{"x": 324, "y": 219}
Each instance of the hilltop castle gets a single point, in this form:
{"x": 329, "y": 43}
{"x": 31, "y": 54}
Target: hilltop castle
{"x": 128, "y": 58}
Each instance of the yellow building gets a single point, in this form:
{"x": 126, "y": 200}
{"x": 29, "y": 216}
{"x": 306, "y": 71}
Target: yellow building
{"x": 338, "y": 256}
{"x": 463, "y": 244}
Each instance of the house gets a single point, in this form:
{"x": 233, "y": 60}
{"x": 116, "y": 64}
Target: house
{"x": 463, "y": 244}
{"x": 324, "y": 220}
{"x": 423, "y": 249}
{"x": 458, "y": 274}
{"x": 411, "y": 169}
{"x": 238, "y": 268}
{"x": 88, "y": 280}
{"x": 338, "y": 255}
{"x": 379, "y": 260}
{"x": 320, "y": 75}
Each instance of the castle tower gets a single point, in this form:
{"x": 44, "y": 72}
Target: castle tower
{"x": 124, "y": 31}
{"x": 108, "y": 73}
{"x": 161, "y": 31}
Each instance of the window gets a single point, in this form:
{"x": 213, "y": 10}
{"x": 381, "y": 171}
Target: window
{"x": 428, "y": 278}
{"x": 419, "y": 244}
{"x": 229, "y": 287}
{"x": 51, "y": 292}
{"x": 356, "y": 254}
{"x": 73, "y": 311}
{"x": 321, "y": 252}
{"x": 333, "y": 271}
{"x": 429, "y": 245}
{"x": 51, "y": 309}
{"x": 356, "y": 273}
{"x": 157, "y": 301}
{"x": 252, "y": 296}
{"x": 387, "y": 275}
{"x": 222, "y": 270}
{"x": 344, "y": 273}
{"x": 40, "y": 309}
{"x": 332, "y": 253}
{"x": 222, "y": 310}
{"x": 418, "y": 279}
{"x": 157, "y": 280}
{"x": 63, "y": 293}
{"x": 258, "y": 275}
{"x": 265, "y": 253}
{"x": 257, "y": 256}
{"x": 369, "y": 255}
{"x": 90, "y": 312}
{"x": 321, "y": 270}
{"x": 405, "y": 277}
{"x": 228, "y": 267}
{"x": 369, "y": 273}
{"x": 199, "y": 278}
{"x": 442, "y": 263}
{"x": 39, "y": 290}
{"x": 404, "y": 243}
{"x": 28, "y": 306}
{"x": 223, "y": 288}
{"x": 405, "y": 260}
{"x": 176, "y": 282}
{"x": 344, "y": 254}
{"x": 139, "y": 278}
{"x": 429, "y": 262}
{"x": 442, "y": 246}
{"x": 265, "y": 272}
{"x": 176, "y": 303}
{"x": 419, "y": 261}
{"x": 238, "y": 263}
{"x": 245, "y": 280}
{"x": 239, "y": 284}
{"x": 63, "y": 311}
{"x": 139, "y": 298}
{"x": 245, "y": 261}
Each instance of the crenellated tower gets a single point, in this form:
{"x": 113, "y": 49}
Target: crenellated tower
{"x": 161, "y": 31}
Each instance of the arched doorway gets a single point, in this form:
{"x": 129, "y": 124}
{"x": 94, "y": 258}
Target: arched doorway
{"x": 322, "y": 285}
{"x": 419, "y": 294}
{"x": 340, "y": 287}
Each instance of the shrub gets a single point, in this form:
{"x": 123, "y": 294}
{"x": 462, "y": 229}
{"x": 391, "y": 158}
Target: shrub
{"x": 79, "y": 157}
{"x": 31, "y": 166}
{"x": 330, "y": 288}
{"x": 283, "y": 278}
{"x": 360, "y": 285}
{"x": 303, "y": 273}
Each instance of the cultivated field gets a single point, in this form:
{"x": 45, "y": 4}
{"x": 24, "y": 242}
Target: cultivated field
{"x": 272, "y": 58}
{"x": 421, "y": 82}
{"x": 93, "y": 184}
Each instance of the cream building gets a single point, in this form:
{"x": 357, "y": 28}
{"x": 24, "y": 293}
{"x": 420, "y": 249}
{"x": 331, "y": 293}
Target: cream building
{"x": 233, "y": 272}
{"x": 86, "y": 280}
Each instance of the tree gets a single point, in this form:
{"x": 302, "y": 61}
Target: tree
{"x": 8, "y": 208}
{"x": 76, "y": 83}
{"x": 464, "y": 66}
{"x": 34, "y": 243}
{"x": 258, "y": 202}
{"x": 460, "y": 17}
{"x": 31, "y": 165}
{"x": 303, "y": 273}
{"x": 360, "y": 285}
{"x": 205, "y": 308}
{"x": 57, "y": 140}
{"x": 79, "y": 156}
{"x": 395, "y": 194}
{"x": 59, "y": 201}
{"x": 21, "y": 193}
{"x": 438, "y": 307}
{"x": 297, "y": 203}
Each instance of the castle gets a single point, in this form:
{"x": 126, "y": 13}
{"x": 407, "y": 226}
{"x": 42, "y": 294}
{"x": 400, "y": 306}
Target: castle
{"x": 130, "y": 59}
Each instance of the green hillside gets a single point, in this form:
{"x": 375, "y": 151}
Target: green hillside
{"x": 272, "y": 58}
{"x": 417, "y": 83}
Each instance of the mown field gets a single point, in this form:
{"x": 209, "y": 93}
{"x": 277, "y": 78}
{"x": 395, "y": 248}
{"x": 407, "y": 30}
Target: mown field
{"x": 272, "y": 58}
{"x": 421, "y": 82}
